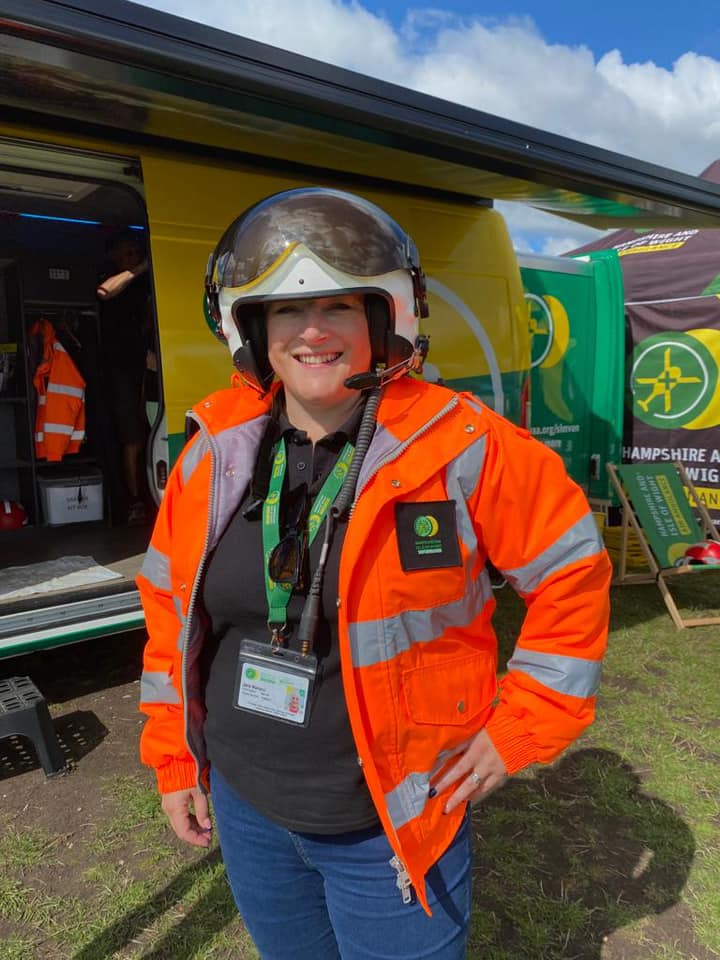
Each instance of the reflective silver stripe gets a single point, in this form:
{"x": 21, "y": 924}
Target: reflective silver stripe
{"x": 193, "y": 456}
{"x": 78, "y": 435}
{"x": 59, "y": 347}
{"x": 39, "y": 436}
{"x": 377, "y": 641}
{"x": 156, "y": 568}
{"x": 474, "y": 403}
{"x": 462, "y": 478}
{"x": 65, "y": 390}
{"x": 580, "y": 541}
{"x": 42, "y": 400}
{"x": 383, "y": 443}
{"x": 62, "y": 428}
{"x": 571, "y": 675}
{"x": 408, "y": 799}
{"x": 181, "y": 619}
{"x": 156, "y": 687}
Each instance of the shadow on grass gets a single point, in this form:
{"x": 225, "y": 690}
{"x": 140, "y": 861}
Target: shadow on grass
{"x": 213, "y": 911}
{"x": 568, "y": 856}
{"x": 78, "y": 732}
{"x": 563, "y": 859}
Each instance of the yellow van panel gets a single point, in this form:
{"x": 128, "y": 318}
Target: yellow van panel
{"x": 477, "y": 324}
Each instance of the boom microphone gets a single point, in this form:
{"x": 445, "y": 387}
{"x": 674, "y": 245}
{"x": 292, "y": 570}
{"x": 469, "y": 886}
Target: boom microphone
{"x": 372, "y": 380}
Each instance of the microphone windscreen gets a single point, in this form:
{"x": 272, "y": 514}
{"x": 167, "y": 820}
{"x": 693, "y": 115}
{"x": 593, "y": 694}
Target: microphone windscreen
{"x": 363, "y": 381}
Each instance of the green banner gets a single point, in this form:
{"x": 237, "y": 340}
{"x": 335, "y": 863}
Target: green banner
{"x": 576, "y": 320}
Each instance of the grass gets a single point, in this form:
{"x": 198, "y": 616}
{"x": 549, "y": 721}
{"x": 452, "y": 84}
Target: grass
{"x": 23, "y": 849}
{"x": 612, "y": 853}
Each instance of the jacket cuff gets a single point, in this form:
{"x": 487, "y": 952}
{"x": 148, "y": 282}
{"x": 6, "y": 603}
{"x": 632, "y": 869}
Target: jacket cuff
{"x": 177, "y": 775}
{"x": 515, "y": 747}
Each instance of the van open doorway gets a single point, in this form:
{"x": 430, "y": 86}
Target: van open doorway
{"x": 80, "y": 391}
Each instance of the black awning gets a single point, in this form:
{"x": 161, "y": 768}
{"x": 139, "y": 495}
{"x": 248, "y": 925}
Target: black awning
{"x": 133, "y": 70}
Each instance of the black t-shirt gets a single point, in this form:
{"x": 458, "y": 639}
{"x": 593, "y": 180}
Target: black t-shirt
{"x": 124, "y": 325}
{"x": 304, "y": 778}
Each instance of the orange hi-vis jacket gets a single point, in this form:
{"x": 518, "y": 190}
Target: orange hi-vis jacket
{"x": 417, "y": 648}
{"x": 60, "y": 417}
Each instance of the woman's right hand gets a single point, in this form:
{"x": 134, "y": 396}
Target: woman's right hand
{"x": 189, "y": 816}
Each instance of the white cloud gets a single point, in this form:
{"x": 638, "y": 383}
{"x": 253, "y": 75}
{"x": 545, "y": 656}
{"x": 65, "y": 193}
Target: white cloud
{"x": 534, "y": 231}
{"x": 503, "y": 67}
{"x": 345, "y": 34}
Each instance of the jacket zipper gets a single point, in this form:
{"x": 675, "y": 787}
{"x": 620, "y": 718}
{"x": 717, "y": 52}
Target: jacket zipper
{"x": 402, "y": 881}
{"x": 196, "y": 584}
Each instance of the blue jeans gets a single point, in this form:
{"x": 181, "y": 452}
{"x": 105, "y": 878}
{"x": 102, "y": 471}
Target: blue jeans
{"x": 315, "y": 897}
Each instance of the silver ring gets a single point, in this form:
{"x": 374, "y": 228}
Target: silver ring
{"x": 474, "y": 776}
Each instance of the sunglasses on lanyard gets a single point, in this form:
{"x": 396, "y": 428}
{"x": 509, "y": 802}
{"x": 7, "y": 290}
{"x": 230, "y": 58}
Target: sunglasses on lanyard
{"x": 287, "y": 558}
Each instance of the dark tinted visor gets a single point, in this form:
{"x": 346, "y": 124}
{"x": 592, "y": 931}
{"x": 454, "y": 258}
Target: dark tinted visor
{"x": 348, "y": 233}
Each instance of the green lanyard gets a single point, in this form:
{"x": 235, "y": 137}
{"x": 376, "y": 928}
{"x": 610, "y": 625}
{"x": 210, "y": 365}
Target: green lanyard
{"x": 278, "y": 594}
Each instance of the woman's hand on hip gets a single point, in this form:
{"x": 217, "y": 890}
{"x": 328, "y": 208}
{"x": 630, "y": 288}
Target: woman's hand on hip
{"x": 477, "y": 772}
{"x": 188, "y": 813}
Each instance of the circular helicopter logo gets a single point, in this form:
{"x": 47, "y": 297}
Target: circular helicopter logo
{"x": 674, "y": 380}
{"x": 426, "y": 526}
{"x": 541, "y": 326}
{"x": 549, "y": 329}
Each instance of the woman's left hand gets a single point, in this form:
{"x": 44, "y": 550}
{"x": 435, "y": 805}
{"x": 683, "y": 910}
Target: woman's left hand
{"x": 477, "y": 772}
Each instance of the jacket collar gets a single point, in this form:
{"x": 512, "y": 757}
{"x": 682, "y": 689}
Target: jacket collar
{"x": 406, "y": 406}
{"x": 235, "y": 405}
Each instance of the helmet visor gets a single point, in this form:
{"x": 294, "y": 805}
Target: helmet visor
{"x": 347, "y": 232}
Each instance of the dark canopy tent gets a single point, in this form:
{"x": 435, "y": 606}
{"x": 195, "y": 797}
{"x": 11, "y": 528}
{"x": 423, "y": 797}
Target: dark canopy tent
{"x": 672, "y": 306}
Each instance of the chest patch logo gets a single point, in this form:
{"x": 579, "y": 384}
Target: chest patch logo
{"x": 427, "y": 535}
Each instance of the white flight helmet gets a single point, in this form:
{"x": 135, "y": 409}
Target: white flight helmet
{"x": 316, "y": 242}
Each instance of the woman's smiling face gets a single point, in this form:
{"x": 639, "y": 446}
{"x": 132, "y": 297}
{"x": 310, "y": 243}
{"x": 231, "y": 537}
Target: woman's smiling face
{"x": 315, "y": 345}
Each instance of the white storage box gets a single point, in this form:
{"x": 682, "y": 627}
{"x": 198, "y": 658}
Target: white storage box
{"x": 71, "y": 499}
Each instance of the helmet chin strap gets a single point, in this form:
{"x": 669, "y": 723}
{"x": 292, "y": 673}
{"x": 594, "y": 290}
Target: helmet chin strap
{"x": 380, "y": 377}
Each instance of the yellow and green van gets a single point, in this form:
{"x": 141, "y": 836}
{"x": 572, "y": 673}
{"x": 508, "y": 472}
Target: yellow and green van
{"x": 117, "y": 117}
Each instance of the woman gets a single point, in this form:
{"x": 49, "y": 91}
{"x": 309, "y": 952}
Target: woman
{"x": 320, "y": 651}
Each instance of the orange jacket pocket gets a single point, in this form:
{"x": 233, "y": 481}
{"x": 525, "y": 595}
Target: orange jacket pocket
{"x": 454, "y": 692}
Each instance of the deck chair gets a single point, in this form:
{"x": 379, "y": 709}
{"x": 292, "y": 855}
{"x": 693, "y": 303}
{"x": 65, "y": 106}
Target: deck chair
{"x": 654, "y": 504}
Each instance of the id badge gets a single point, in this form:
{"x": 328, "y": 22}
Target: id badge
{"x": 275, "y": 683}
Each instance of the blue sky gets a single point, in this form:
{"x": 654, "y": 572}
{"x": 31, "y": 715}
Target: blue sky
{"x": 660, "y": 32}
{"x": 636, "y": 77}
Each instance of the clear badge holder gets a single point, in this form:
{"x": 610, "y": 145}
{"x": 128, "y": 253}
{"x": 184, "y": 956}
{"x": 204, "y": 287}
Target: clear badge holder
{"x": 275, "y": 682}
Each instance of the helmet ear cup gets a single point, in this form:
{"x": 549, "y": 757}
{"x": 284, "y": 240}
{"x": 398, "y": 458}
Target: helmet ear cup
{"x": 387, "y": 348}
{"x": 398, "y": 349}
{"x": 251, "y": 359}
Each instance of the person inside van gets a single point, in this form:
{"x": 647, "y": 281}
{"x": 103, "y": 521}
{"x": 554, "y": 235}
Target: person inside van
{"x": 320, "y": 651}
{"x": 126, "y": 324}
